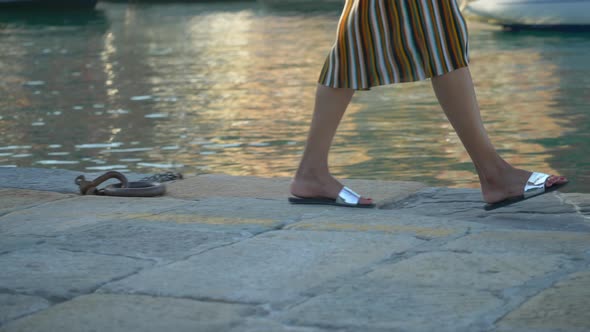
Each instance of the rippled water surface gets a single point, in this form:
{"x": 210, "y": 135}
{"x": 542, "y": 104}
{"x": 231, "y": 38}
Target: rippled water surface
{"x": 208, "y": 88}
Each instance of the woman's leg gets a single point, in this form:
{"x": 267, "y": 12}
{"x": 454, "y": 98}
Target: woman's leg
{"x": 313, "y": 177}
{"x": 499, "y": 180}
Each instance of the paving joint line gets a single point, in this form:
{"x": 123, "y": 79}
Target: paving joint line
{"x": 38, "y": 243}
{"x": 9, "y": 291}
{"x": 329, "y": 286}
{"x": 151, "y": 260}
{"x": 185, "y": 258}
{"x": 288, "y": 222}
{"x": 32, "y": 206}
{"x": 276, "y": 228}
{"x": 56, "y": 300}
{"x": 14, "y": 319}
{"x": 331, "y": 327}
{"x": 210, "y": 249}
{"x": 115, "y": 279}
{"x": 430, "y": 246}
{"x": 576, "y": 207}
{"x": 532, "y": 288}
{"x": 191, "y": 298}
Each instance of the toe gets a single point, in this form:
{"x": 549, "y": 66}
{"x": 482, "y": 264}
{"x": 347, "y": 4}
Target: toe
{"x": 364, "y": 200}
{"x": 554, "y": 179}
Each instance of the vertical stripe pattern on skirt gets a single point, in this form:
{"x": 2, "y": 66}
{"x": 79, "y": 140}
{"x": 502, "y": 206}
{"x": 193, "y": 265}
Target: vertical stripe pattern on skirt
{"x": 380, "y": 42}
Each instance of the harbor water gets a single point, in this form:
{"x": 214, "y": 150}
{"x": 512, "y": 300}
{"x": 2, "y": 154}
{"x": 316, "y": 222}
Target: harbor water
{"x": 229, "y": 88}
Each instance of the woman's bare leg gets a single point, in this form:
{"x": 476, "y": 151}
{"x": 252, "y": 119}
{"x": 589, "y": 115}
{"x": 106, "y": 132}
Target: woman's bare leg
{"x": 499, "y": 180}
{"x": 313, "y": 178}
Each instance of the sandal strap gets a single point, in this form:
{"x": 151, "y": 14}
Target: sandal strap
{"x": 347, "y": 196}
{"x": 535, "y": 184}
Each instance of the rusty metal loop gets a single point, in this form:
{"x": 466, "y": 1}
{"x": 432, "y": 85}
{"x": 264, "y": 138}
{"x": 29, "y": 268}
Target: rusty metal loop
{"x": 136, "y": 189}
{"x": 90, "y": 187}
{"x": 125, "y": 188}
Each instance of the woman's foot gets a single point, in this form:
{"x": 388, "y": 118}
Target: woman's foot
{"x": 510, "y": 183}
{"x": 319, "y": 186}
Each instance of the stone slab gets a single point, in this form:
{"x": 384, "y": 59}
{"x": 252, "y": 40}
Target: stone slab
{"x": 59, "y": 274}
{"x": 57, "y": 217}
{"x": 233, "y": 214}
{"x": 524, "y": 242}
{"x": 275, "y": 267}
{"x": 45, "y": 179}
{"x": 17, "y": 199}
{"x": 385, "y": 306}
{"x": 116, "y": 313}
{"x": 564, "y": 307}
{"x": 546, "y": 212}
{"x": 13, "y": 306}
{"x": 148, "y": 240}
{"x": 436, "y": 291}
{"x": 262, "y": 324}
{"x": 203, "y": 186}
{"x": 491, "y": 272}
{"x": 12, "y": 243}
{"x": 386, "y": 221}
{"x": 580, "y": 202}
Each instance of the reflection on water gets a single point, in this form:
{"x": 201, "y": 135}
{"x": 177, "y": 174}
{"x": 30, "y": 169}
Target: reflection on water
{"x": 204, "y": 88}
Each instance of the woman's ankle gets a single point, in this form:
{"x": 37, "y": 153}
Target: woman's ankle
{"x": 311, "y": 172}
{"x": 495, "y": 172}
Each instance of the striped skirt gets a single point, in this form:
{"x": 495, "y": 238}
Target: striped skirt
{"x": 383, "y": 42}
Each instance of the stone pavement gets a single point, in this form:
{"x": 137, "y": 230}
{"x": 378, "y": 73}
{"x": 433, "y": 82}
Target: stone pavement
{"x": 222, "y": 253}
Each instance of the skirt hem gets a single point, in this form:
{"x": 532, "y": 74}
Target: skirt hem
{"x": 401, "y": 81}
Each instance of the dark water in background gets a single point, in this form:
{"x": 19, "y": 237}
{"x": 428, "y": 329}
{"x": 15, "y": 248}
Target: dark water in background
{"x": 228, "y": 88}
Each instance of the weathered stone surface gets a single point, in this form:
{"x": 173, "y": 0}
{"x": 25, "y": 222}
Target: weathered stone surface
{"x": 441, "y": 201}
{"x": 15, "y": 306}
{"x": 57, "y": 180}
{"x": 262, "y": 324}
{"x": 221, "y": 185}
{"x": 580, "y": 202}
{"x": 387, "y": 306}
{"x": 271, "y": 268}
{"x": 438, "y": 291}
{"x": 385, "y": 221}
{"x": 524, "y": 242}
{"x": 464, "y": 270}
{"x": 564, "y": 307}
{"x": 232, "y": 214}
{"x": 211, "y": 185}
{"x": 155, "y": 241}
{"x": 58, "y": 217}
{"x": 546, "y": 212}
{"x": 437, "y": 262}
{"x": 114, "y": 313}
{"x": 61, "y": 274}
{"x": 12, "y": 243}
{"x": 16, "y": 199}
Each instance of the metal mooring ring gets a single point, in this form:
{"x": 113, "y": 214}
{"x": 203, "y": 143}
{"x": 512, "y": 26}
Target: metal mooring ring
{"x": 136, "y": 189}
{"x": 91, "y": 187}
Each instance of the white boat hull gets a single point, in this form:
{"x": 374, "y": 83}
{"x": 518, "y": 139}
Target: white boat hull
{"x": 533, "y": 12}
